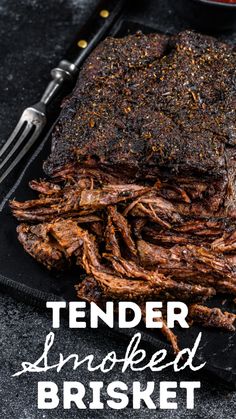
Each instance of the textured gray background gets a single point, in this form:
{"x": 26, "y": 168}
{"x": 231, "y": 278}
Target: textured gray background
{"x": 33, "y": 36}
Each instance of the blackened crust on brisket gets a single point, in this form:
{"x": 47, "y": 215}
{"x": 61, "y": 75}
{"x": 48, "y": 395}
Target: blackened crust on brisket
{"x": 148, "y": 102}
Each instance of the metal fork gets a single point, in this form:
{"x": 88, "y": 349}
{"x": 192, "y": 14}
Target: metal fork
{"x": 34, "y": 119}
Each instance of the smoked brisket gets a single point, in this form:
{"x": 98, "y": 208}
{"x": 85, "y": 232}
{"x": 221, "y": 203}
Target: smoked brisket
{"x": 141, "y": 196}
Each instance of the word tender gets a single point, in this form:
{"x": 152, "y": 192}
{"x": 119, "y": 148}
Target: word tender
{"x": 176, "y": 312}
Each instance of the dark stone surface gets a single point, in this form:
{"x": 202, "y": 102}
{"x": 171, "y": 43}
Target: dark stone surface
{"x": 33, "y": 36}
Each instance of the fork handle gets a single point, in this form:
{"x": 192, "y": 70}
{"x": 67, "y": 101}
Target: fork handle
{"x": 94, "y": 30}
{"x": 64, "y": 72}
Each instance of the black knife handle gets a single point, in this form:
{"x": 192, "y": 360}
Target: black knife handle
{"x": 95, "y": 29}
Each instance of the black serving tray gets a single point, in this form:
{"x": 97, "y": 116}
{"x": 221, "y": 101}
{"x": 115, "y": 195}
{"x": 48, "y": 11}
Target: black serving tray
{"x": 22, "y": 277}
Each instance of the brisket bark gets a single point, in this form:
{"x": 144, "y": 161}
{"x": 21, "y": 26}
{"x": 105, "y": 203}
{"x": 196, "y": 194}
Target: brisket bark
{"x": 150, "y": 103}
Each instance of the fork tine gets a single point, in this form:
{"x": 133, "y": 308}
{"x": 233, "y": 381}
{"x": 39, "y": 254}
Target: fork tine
{"x": 13, "y": 135}
{"x": 22, "y": 153}
{"x": 21, "y": 139}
